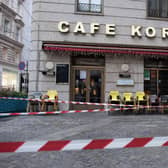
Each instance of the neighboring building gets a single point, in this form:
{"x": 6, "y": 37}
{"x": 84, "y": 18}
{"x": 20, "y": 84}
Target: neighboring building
{"x": 12, "y": 41}
{"x": 113, "y": 44}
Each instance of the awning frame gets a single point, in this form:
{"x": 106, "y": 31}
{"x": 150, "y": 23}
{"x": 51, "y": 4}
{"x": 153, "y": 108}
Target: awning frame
{"x": 103, "y": 49}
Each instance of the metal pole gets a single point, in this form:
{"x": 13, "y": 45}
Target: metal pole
{"x": 27, "y": 77}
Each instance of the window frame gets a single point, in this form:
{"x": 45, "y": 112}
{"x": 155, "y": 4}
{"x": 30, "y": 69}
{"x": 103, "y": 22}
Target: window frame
{"x": 18, "y": 33}
{"x": 89, "y": 12}
{"x": 155, "y": 17}
{"x": 7, "y": 29}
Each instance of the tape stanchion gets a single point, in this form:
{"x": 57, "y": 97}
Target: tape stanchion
{"x": 88, "y": 144}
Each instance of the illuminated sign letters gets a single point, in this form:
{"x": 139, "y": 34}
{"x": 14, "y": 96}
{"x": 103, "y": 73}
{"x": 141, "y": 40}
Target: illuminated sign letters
{"x": 110, "y": 29}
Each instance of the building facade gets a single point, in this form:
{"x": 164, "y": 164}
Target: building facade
{"x": 14, "y": 40}
{"x": 85, "y": 48}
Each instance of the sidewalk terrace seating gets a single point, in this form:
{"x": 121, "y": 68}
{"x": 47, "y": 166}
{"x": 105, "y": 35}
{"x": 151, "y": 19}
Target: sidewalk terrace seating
{"x": 50, "y": 95}
{"x": 141, "y": 99}
{"x": 164, "y": 103}
{"x": 128, "y": 99}
{"x": 114, "y": 98}
{"x": 154, "y": 102}
{"x": 34, "y": 106}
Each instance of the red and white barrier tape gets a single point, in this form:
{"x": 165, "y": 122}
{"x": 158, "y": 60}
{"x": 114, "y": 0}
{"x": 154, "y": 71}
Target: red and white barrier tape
{"x": 59, "y": 101}
{"x": 83, "y": 103}
{"x": 88, "y": 144}
{"x": 61, "y": 112}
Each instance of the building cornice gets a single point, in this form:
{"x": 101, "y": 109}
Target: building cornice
{"x": 14, "y": 42}
{"x": 19, "y": 21}
{"x": 4, "y": 7}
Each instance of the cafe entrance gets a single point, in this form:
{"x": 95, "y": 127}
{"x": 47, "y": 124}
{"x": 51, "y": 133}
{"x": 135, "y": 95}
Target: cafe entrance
{"x": 87, "y": 86}
{"x": 87, "y": 83}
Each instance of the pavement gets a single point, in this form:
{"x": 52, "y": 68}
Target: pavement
{"x": 85, "y": 126}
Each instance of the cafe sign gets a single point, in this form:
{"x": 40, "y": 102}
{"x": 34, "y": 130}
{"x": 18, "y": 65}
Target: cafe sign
{"x": 110, "y": 29}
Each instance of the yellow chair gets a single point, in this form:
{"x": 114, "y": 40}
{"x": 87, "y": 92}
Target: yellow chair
{"x": 141, "y": 99}
{"x": 53, "y": 96}
{"x": 128, "y": 98}
{"x": 114, "y": 98}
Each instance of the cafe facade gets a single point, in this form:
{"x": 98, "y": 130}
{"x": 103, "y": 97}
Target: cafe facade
{"x": 85, "y": 48}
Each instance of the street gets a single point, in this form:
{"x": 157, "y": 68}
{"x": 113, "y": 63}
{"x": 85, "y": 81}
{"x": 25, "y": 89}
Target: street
{"x": 84, "y": 126}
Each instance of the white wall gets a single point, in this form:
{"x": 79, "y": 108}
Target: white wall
{"x": 26, "y": 32}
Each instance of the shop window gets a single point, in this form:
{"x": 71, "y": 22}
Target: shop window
{"x": 150, "y": 81}
{"x": 62, "y": 73}
{"x": 93, "y": 6}
{"x": 158, "y": 8}
{"x": 156, "y": 76}
{"x": 9, "y": 79}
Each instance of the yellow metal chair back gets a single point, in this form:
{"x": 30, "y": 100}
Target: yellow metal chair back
{"x": 114, "y": 95}
{"x": 128, "y": 97}
{"x": 140, "y": 96}
{"x": 52, "y": 94}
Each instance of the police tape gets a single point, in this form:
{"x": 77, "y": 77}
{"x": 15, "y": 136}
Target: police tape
{"x": 84, "y": 103}
{"x": 60, "y": 112}
{"x": 86, "y": 144}
{"x": 58, "y": 101}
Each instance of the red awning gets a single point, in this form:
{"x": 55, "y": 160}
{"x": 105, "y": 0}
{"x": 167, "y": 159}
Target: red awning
{"x": 99, "y": 49}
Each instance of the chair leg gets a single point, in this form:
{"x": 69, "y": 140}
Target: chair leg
{"x": 137, "y": 108}
{"x": 42, "y": 105}
{"x": 39, "y": 106}
{"x": 31, "y": 107}
{"x": 55, "y": 106}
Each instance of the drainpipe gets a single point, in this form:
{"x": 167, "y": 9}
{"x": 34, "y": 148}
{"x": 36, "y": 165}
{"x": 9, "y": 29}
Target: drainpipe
{"x": 38, "y": 58}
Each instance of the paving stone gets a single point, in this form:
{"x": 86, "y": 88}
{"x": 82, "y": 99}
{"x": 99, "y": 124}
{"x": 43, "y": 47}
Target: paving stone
{"x": 84, "y": 126}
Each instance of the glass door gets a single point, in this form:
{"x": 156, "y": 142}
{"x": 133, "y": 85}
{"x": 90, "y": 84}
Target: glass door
{"x": 87, "y": 86}
{"x": 95, "y": 79}
{"x": 80, "y": 85}
{"x": 163, "y": 82}
{"x": 151, "y": 81}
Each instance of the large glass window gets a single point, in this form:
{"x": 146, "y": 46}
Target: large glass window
{"x": 158, "y": 8}
{"x": 93, "y": 6}
{"x": 156, "y": 76}
{"x": 9, "y": 79}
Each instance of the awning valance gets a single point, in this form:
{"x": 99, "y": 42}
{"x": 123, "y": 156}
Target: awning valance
{"x": 103, "y": 49}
